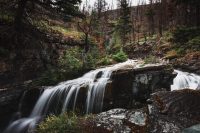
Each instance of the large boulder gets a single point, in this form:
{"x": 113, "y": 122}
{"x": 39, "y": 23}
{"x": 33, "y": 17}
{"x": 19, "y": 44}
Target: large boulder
{"x": 118, "y": 121}
{"x": 130, "y": 88}
{"x": 170, "y": 112}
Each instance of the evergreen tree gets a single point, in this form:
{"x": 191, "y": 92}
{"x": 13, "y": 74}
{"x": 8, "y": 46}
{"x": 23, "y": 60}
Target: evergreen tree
{"x": 100, "y": 6}
{"x": 191, "y": 9}
{"x": 124, "y": 23}
{"x": 66, "y": 8}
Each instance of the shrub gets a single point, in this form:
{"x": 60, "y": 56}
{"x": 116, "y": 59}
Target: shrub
{"x": 194, "y": 43}
{"x": 151, "y": 60}
{"x": 120, "y": 56}
{"x": 116, "y": 42}
{"x": 92, "y": 57}
{"x": 105, "y": 61}
{"x": 72, "y": 59}
{"x": 91, "y": 40}
{"x": 183, "y": 35}
{"x": 64, "y": 123}
{"x": 49, "y": 77}
{"x": 186, "y": 39}
{"x": 180, "y": 50}
{"x": 71, "y": 65}
{"x": 168, "y": 36}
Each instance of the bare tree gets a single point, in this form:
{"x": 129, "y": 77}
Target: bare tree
{"x": 85, "y": 26}
{"x": 100, "y": 6}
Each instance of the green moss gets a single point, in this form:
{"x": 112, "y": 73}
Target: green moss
{"x": 72, "y": 59}
{"x": 64, "y": 123}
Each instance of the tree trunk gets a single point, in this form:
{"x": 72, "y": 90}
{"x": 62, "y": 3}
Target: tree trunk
{"x": 86, "y": 43}
{"x": 197, "y": 16}
{"x": 19, "y": 14}
{"x": 160, "y": 26}
{"x": 152, "y": 25}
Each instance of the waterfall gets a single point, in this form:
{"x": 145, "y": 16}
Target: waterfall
{"x": 185, "y": 80}
{"x": 62, "y": 97}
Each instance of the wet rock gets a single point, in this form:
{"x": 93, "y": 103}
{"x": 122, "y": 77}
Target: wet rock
{"x": 121, "y": 121}
{"x": 174, "y": 111}
{"x": 151, "y": 118}
{"x": 181, "y": 101}
{"x": 193, "y": 129}
{"x": 98, "y": 75}
{"x": 130, "y": 88}
{"x": 16, "y": 102}
{"x": 190, "y": 62}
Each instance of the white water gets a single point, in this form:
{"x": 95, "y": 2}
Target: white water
{"x": 185, "y": 80}
{"x": 57, "y": 99}
{"x": 63, "y": 97}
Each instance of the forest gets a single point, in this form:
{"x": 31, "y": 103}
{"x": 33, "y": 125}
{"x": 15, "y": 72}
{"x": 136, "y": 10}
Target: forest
{"x": 77, "y": 66}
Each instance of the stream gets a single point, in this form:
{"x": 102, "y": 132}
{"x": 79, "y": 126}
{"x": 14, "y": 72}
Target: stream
{"x": 63, "y": 97}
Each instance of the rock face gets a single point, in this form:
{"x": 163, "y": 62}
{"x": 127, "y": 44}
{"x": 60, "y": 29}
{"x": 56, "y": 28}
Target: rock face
{"x": 193, "y": 129}
{"x": 131, "y": 88}
{"x": 151, "y": 118}
{"x": 127, "y": 88}
{"x": 8, "y": 105}
{"x": 176, "y": 110}
{"x": 190, "y": 62}
{"x": 119, "y": 121}
{"x": 16, "y": 103}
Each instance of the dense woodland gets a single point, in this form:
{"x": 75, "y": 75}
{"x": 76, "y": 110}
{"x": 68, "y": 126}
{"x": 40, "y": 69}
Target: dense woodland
{"x": 44, "y": 42}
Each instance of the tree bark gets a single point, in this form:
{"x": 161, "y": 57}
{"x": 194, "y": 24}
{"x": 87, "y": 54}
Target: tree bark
{"x": 160, "y": 23}
{"x": 86, "y": 43}
{"x": 19, "y": 14}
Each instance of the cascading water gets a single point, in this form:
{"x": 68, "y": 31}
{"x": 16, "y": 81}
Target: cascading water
{"x": 186, "y": 80}
{"x": 62, "y": 97}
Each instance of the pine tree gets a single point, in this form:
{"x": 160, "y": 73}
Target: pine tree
{"x": 65, "y": 8}
{"x": 124, "y": 23}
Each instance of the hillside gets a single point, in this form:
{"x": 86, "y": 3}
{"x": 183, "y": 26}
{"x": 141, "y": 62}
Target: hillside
{"x": 69, "y": 69}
